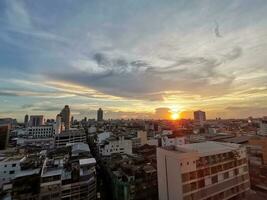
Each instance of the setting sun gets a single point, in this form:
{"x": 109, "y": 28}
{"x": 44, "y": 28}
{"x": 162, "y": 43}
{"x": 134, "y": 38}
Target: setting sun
{"x": 174, "y": 116}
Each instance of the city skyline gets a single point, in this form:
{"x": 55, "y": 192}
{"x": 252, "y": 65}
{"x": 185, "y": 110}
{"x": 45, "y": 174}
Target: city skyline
{"x": 135, "y": 59}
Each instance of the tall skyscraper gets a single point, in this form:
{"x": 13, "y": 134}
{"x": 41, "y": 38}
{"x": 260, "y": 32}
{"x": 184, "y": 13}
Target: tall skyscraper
{"x": 100, "y": 115}
{"x": 199, "y": 116}
{"x": 36, "y": 120}
{"x": 65, "y": 114}
{"x": 4, "y": 135}
{"x": 26, "y": 120}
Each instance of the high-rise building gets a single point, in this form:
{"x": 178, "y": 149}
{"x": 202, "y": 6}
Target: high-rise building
{"x": 4, "y": 135}
{"x": 72, "y": 120}
{"x": 36, "y": 120}
{"x": 65, "y": 114}
{"x": 100, "y": 115}
{"x": 58, "y": 127}
{"x": 199, "y": 116}
{"x": 207, "y": 170}
{"x": 26, "y": 120}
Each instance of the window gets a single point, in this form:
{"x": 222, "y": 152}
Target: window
{"x": 226, "y": 175}
{"x": 14, "y": 165}
{"x": 12, "y": 172}
{"x": 201, "y": 183}
{"x": 185, "y": 177}
{"x": 193, "y": 186}
{"x": 200, "y": 173}
{"x": 206, "y": 171}
{"x": 192, "y": 175}
{"x": 214, "y": 179}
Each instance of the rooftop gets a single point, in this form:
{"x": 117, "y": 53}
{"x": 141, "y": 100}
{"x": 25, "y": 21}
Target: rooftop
{"x": 87, "y": 161}
{"x": 209, "y": 147}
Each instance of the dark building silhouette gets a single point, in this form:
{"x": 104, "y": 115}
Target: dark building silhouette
{"x": 4, "y": 135}
{"x": 65, "y": 114}
{"x": 26, "y": 120}
{"x": 36, "y": 120}
{"x": 100, "y": 115}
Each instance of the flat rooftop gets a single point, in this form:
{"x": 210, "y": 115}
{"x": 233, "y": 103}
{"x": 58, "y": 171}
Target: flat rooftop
{"x": 209, "y": 147}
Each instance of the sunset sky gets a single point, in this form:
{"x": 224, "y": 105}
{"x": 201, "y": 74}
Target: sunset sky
{"x": 133, "y": 58}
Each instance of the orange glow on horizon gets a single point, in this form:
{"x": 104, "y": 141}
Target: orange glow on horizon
{"x": 175, "y": 116}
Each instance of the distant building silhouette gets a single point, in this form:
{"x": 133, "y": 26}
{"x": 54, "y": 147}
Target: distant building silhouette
{"x": 36, "y": 120}
{"x": 100, "y": 115}
{"x": 26, "y": 120}
{"x": 199, "y": 116}
{"x": 65, "y": 114}
{"x": 4, "y": 135}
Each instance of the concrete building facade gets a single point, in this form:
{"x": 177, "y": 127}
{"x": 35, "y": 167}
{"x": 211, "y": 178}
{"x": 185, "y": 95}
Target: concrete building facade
{"x": 203, "y": 171}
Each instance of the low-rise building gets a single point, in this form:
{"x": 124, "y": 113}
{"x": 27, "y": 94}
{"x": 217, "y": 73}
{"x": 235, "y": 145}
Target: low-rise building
{"x": 44, "y": 131}
{"x": 9, "y": 168}
{"x": 69, "y": 173}
{"x": 115, "y": 144}
{"x": 69, "y": 137}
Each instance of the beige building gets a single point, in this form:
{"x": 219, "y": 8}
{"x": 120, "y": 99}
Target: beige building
{"x": 202, "y": 171}
{"x": 260, "y": 142}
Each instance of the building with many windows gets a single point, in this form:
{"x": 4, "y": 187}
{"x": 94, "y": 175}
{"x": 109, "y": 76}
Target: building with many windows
{"x": 69, "y": 173}
{"x": 9, "y": 168}
{"x": 199, "y": 116}
{"x": 203, "y": 171}
{"x": 115, "y": 144}
{"x": 44, "y": 131}
{"x": 69, "y": 136}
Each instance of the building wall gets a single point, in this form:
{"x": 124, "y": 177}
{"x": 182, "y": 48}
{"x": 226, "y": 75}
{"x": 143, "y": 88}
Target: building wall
{"x": 4, "y": 136}
{"x": 40, "y": 131}
{"x": 143, "y": 136}
{"x": 184, "y": 176}
{"x": 116, "y": 146}
{"x": 166, "y": 141}
{"x": 8, "y": 170}
{"x": 262, "y": 142}
{"x": 36, "y": 120}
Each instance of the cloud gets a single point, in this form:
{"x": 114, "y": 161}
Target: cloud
{"x": 137, "y": 79}
{"x": 128, "y": 55}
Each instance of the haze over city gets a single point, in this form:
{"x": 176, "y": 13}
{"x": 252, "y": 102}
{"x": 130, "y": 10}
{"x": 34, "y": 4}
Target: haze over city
{"x": 136, "y": 58}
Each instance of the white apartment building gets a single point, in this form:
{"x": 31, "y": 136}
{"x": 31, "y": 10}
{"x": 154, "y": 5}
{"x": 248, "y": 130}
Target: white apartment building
{"x": 100, "y": 137}
{"x": 115, "y": 145}
{"x": 171, "y": 140}
{"x": 9, "y": 167}
{"x": 202, "y": 171}
{"x": 40, "y": 131}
